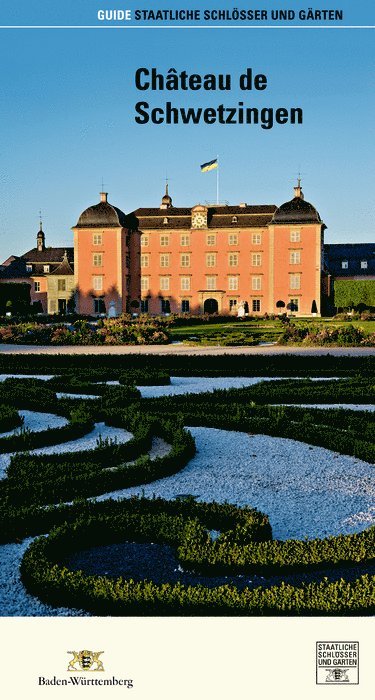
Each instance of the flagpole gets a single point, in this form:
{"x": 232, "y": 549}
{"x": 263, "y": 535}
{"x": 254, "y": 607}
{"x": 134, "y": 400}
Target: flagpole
{"x": 217, "y": 180}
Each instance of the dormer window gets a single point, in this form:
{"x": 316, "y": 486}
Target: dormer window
{"x": 29, "y": 268}
{"x": 363, "y": 264}
{"x": 165, "y": 221}
{"x": 344, "y": 264}
{"x": 234, "y": 220}
{"x": 45, "y": 268}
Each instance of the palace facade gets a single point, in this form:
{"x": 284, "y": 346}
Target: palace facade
{"x": 222, "y": 259}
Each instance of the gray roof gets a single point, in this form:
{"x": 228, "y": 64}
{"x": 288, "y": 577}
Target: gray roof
{"x": 217, "y": 217}
{"x": 352, "y": 253}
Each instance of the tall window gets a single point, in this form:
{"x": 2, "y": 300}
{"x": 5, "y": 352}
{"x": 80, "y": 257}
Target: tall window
{"x": 97, "y": 259}
{"x": 233, "y": 239}
{"x": 185, "y": 259}
{"x": 255, "y": 304}
{"x": 294, "y": 304}
{"x": 211, "y": 239}
{"x": 256, "y": 283}
{"x": 295, "y": 281}
{"x": 145, "y": 260}
{"x": 164, "y": 240}
{"x": 164, "y": 283}
{"x": 185, "y": 239}
{"x": 210, "y": 259}
{"x": 233, "y": 259}
{"x": 210, "y": 282}
{"x": 144, "y": 306}
{"x": 99, "y": 306}
{"x": 256, "y": 238}
{"x": 37, "y": 286}
{"x": 185, "y": 283}
{"x": 295, "y": 236}
{"x": 232, "y": 304}
{"x": 185, "y": 306}
{"x": 145, "y": 284}
{"x": 97, "y": 239}
{"x": 61, "y": 285}
{"x": 97, "y": 283}
{"x": 165, "y": 306}
{"x": 164, "y": 260}
{"x": 233, "y": 283}
{"x": 256, "y": 259}
{"x": 295, "y": 257}
{"x": 144, "y": 240}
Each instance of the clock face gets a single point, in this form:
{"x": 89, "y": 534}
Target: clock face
{"x": 199, "y": 220}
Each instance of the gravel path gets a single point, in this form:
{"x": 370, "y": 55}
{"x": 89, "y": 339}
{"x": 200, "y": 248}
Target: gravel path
{"x": 87, "y": 442}
{"x": 306, "y": 491}
{"x": 176, "y": 349}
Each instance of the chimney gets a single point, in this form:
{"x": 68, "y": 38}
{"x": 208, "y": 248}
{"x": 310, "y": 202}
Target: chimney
{"x": 104, "y": 196}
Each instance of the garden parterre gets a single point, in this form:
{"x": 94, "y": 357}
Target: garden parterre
{"x": 60, "y": 493}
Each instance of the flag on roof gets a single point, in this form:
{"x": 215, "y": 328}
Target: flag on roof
{"x": 211, "y": 165}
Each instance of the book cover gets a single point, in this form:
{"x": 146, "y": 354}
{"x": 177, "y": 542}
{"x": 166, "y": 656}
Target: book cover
{"x": 171, "y": 112}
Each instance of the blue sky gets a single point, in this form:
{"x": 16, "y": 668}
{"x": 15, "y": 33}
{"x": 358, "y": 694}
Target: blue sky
{"x": 67, "y": 120}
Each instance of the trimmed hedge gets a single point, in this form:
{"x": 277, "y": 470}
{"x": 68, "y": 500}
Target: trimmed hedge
{"x": 45, "y": 574}
{"x": 9, "y": 418}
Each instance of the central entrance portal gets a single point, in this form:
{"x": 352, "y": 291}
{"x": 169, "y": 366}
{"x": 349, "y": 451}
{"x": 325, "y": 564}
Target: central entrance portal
{"x": 210, "y": 306}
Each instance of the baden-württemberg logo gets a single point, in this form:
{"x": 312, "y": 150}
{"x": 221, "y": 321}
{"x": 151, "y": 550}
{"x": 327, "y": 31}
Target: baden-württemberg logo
{"x": 79, "y": 668}
{"x": 85, "y": 661}
{"x": 337, "y": 662}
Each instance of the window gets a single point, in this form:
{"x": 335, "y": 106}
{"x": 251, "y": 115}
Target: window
{"x": 256, "y": 283}
{"x": 164, "y": 260}
{"x": 233, "y": 239}
{"x": 232, "y": 283}
{"x": 295, "y": 257}
{"x": 256, "y": 259}
{"x": 97, "y": 239}
{"x": 234, "y": 220}
{"x": 37, "y": 286}
{"x": 164, "y": 241}
{"x": 256, "y": 304}
{"x": 363, "y": 264}
{"x": 185, "y": 306}
{"x": 165, "y": 221}
{"x": 211, "y": 239}
{"x": 52, "y": 306}
{"x": 185, "y": 260}
{"x": 97, "y": 259}
{"x": 145, "y": 284}
{"x": 61, "y": 285}
{"x": 164, "y": 283}
{"x": 144, "y": 240}
{"x": 295, "y": 281}
{"x": 210, "y": 282}
{"x": 97, "y": 283}
{"x": 185, "y": 283}
{"x": 293, "y": 304}
{"x": 165, "y": 306}
{"x": 233, "y": 259}
{"x": 256, "y": 238}
{"x": 145, "y": 260}
{"x": 295, "y": 236}
{"x": 99, "y": 306}
{"x": 144, "y": 306}
{"x": 344, "y": 265}
{"x": 29, "y": 268}
{"x": 185, "y": 239}
{"x": 232, "y": 304}
{"x": 210, "y": 259}
{"x": 45, "y": 268}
